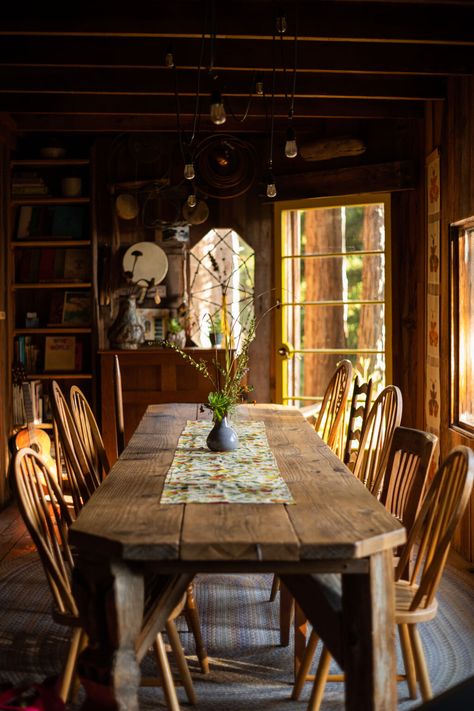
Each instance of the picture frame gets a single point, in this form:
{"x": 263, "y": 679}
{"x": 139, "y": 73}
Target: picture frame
{"x": 154, "y": 322}
{"x": 76, "y": 309}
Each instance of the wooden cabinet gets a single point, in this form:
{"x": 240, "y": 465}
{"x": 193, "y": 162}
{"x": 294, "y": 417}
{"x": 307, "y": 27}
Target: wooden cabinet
{"x": 149, "y": 376}
{"x": 51, "y": 276}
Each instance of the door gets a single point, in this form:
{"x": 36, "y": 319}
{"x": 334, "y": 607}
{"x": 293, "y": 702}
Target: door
{"x": 333, "y": 280}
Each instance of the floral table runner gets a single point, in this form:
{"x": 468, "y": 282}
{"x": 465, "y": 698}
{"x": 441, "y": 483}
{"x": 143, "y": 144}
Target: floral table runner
{"x": 248, "y": 475}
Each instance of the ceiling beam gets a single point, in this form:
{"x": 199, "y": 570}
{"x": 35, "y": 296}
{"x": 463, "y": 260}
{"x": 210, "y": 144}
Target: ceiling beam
{"x": 400, "y": 175}
{"x": 237, "y": 55}
{"x": 166, "y": 107}
{"x": 161, "y": 82}
{"x": 378, "y": 22}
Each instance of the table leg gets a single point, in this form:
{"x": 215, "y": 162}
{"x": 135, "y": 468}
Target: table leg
{"x": 110, "y": 597}
{"x": 287, "y": 610}
{"x": 368, "y": 637}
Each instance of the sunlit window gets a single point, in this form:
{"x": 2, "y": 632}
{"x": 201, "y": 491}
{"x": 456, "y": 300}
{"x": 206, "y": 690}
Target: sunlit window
{"x": 462, "y": 335}
{"x": 333, "y": 295}
{"x": 221, "y": 273}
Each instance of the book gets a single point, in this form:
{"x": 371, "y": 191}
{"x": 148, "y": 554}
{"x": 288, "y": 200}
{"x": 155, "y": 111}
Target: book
{"x": 76, "y": 308}
{"x": 68, "y": 221}
{"x": 59, "y": 353}
{"x": 76, "y": 265}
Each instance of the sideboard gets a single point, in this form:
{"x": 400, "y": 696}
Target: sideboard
{"x": 149, "y": 375}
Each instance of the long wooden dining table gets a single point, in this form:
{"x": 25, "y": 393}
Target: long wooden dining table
{"x": 124, "y": 535}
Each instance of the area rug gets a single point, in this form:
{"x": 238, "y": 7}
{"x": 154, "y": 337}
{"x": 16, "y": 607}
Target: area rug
{"x": 249, "y": 670}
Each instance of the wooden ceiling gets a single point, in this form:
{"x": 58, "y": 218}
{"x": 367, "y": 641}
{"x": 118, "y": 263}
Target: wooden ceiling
{"x": 106, "y": 72}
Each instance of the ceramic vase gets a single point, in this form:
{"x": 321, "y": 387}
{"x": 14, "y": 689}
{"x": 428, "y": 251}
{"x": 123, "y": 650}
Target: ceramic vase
{"x": 222, "y": 438}
{"x": 127, "y": 330}
{"x": 179, "y": 339}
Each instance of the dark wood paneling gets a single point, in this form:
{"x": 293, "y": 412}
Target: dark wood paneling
{"x": 457, "y": 195}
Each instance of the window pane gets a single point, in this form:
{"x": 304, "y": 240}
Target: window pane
{"x": 309, "y": 373}
{"x": 466, "y": 327}
{"x": 334, "y": 229}
{"x": 351, "y": 277}
{"x": 353, "y": 326}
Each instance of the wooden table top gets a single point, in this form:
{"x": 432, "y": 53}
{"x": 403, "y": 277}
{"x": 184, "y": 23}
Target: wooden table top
{"x": 334, "y": 517}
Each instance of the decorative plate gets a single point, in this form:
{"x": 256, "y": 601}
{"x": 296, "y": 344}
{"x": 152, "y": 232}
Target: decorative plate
{"x": 145, "y": 261}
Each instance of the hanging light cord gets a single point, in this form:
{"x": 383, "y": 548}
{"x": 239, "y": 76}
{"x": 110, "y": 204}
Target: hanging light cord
{"x": 272, "y": 109}
{"x": 241, "y": 119}
{"x": 290, "y": 99}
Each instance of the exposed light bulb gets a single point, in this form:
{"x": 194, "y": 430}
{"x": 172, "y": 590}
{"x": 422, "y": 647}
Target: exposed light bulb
{"x": 259, "y": 86}
{"x": 271, "y": 187}
{"x": 217, "y": 111}
{"x": 169, "y": 60}
{"x": 189, "y": 173}
{"x": 291, "y": 149}
{"x": 281, "y": 24}
{"x": 191, "y": 201}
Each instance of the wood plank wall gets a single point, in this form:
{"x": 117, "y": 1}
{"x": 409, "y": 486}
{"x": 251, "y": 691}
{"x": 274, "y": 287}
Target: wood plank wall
{"x": 3, "y": 323}
{"x": 453, "y": 132}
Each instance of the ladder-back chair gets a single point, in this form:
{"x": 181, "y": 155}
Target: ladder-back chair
{"x": 47, "y": 518}
{"x": 428, "y": 545}
{"x": 360, "y": 407}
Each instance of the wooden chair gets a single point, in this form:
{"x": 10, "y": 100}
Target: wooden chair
{"x": 47, "y": 518}
{"x": 384, "y": 416}
{"x": 89, "y": 432}
{"x": 360, "y": 407}
{"x": 330, "y": 416}
{"x": 408, "y": 465}
{"x": 428, "y": 545}
{"x": 82, "y": 476}
{"x": 118, "y": 405}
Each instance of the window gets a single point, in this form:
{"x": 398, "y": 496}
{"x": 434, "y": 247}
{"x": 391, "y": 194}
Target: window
{"x": 221, "y": 275}
{"x": 333, "y": 274}
{"x": 462, "y": 319}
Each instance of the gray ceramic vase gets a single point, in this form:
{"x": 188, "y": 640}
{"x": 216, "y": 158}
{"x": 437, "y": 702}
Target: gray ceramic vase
{"x": 222, "y": 438}
{"x": 127, "y": 330}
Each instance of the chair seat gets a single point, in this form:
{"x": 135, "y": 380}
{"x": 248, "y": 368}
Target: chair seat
{"x": 404, "y": 594}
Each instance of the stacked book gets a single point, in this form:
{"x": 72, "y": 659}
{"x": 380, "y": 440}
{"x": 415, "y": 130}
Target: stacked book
{"x": 28, "y": 183}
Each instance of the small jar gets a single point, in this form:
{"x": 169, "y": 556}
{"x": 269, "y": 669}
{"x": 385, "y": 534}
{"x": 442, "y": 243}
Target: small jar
{"x": 32, "y": 320}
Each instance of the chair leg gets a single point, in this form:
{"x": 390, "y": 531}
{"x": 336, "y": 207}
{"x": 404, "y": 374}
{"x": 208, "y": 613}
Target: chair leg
{"x": 275, "y": 588}
{"x": 305, "y": 665}
{"x": 287, "y": 608}
{"x": 165, "y": 674}
{"x": 71, "y": 661}
{"x": 420, "y": 663}
{"x": 194, "y": 624}
{"x": 181, "y": 662}
{"x": 408, "y": 660}
{"x": 320, "y": 680}
{"x": 301, "y": 627}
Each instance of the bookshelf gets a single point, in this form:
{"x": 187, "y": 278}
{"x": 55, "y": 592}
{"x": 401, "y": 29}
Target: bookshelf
{"x": 51, "y": 277}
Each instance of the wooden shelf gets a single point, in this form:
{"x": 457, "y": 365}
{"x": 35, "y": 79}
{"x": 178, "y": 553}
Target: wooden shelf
{"x": 48, "y": 162}
{"x": 59, "y": 376}
{"x": 53, "y": 228}
{"x": 53, "y": 285}
{"x": 51, "y": 329}
{"x": 46, "y": 200}
{"x": 51, "y": 243}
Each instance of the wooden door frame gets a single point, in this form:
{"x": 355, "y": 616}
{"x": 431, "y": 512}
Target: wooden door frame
{"x": 340, "y": 200}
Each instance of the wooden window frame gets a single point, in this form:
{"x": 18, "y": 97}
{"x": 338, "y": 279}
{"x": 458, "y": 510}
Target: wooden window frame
{"x": 457, "y": 229}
